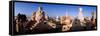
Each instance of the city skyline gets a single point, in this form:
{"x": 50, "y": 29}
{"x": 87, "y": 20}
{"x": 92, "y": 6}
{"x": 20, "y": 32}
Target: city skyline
{"x": 52, "y": 9}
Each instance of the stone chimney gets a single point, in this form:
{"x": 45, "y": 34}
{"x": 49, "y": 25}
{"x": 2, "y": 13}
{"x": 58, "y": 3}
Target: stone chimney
{"x": 39, "y": 14}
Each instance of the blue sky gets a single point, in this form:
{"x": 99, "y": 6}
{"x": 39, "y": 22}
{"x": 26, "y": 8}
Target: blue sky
{"x": 52, "y": 9}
